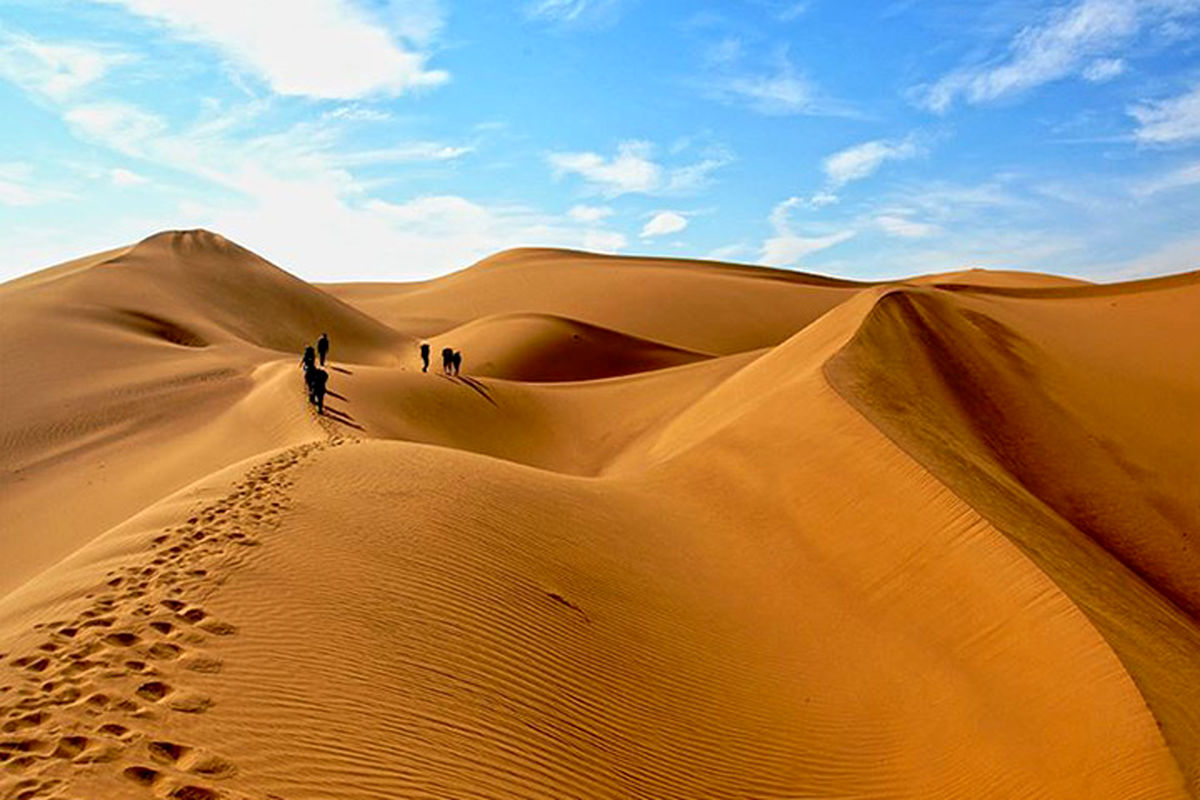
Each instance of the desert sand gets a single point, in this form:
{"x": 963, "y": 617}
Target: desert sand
{"x": 681, "y": 529}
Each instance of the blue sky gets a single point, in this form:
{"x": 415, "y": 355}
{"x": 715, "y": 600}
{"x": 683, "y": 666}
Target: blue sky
{"x": 401, "y": 139}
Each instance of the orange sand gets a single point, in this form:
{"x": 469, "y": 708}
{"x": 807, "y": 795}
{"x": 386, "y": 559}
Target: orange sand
{"x": 680, "y": 530}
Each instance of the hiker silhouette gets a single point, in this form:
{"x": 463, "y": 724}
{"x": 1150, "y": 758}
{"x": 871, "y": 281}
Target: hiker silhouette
{"x": 317, "y": 378}
{"x": 456, "y": 361}
{"x": 323, "y": 347}
{"x": 309, "y": 359}
{"x": 447, "y": 360}
{"x": 425, "y": 357}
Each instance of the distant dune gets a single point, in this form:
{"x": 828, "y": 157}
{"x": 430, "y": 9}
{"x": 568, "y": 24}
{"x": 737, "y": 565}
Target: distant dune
{"x": 680, "y": 529}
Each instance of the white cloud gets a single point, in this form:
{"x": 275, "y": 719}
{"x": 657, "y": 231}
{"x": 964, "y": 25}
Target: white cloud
{"x": 1179, "y": 255}
{"x": 664, "y": 223}
{"x": 1188, "y": 175}
{"x": 822, "y": 199}
{"x": 19, "y": 188}
{"x": 290, "y": 196}
{"x": 905, "y": 228}
{"x": 786, "y": 247}
{"x": 630, "y": 170}
{"x": 1079, "y": 39}
{"x": 731, "y": 252}
{"x": 1104, "y": 69}
{"x": 317, "y": 48}
{"x": 604, "y": 241}
{"x": 124, "y": 177}
{"x": 860, "y": 161}
{"x": 634, "y": 170}
{"x": 584, "y": 213}
{"x": 574, "y": 13}
{"x": 402, "y": 153}
{"x": 123, "y": 127}
{"x": 55, "y": 70}
{"x": 781, "y": 92}
{"x": 356, "y": 113}
{"x": 1172, "y": 121}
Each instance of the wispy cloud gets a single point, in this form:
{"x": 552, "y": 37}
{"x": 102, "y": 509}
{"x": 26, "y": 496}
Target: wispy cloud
{"x": 575, "y": 13}
{"x": 1079, "y": 39}
{"x": 402, "y": 153}
{"x": 786, "y": 247}
{"x": 635, "y": 170}
{"x": 862, "y": 160}
{"x": 328, "y": 49}
{"x": 55, "y": 70}
{"x": 19, "y": 188}
{"x": 121, "y": 126}
{"x": 1175, "y": 120}
{"x": 780, "y": 89}
{"x": 1187, "y": 175}
{"x": 1178, "y": 255}
{"x": 1104, "y": 69}
{"x": 585, "y": 213}
{"x": 126, "y": 177}
{"x": 273, "y": 182}
{"x": 664, "y": 223}
{"x": 905, "y": 227}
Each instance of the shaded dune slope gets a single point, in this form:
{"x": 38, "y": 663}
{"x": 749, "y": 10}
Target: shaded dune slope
{"x": 1071, "y": 423}
{"x": 799, "y": 543}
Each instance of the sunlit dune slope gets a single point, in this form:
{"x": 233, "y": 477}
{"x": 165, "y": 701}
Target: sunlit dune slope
{"x": 679, "y": 530}
{"x": 996, "y": 278}
{"x": 742, "y": 308}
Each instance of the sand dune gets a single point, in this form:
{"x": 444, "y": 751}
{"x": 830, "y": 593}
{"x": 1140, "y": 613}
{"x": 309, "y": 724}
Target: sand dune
{"x": 545, "y": 348}
{"x": 744, "y": 308}
{"x": 681, "y": 529}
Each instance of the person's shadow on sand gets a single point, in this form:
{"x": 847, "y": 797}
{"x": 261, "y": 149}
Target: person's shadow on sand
{"x": 476, "y": 385}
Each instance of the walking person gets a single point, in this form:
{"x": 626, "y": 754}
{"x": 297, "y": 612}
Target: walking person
{"x": 323, "y": 347}
{"x": 447, "y": 360}
{"x": 424, "y": 356}
{"x": 309, "y": 359}
{"x": 316, "y": 388}
{"x": 456, "y": 361}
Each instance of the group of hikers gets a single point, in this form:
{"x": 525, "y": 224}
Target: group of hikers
{"x": 316, "y": 378}
{"x": 451, "y": 359}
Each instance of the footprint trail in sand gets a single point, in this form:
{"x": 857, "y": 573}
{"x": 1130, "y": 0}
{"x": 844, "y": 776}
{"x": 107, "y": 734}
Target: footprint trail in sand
{"x": 89, "y": 697}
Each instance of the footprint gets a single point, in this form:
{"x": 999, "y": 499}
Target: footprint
{"x": 165, "y": 651}
{"x": 69, "y": 747}
{"x": 204, "y": 664}
{"x": 154, "y": 690}
{"x": 122, "y": 639}
{"x": 162, "y": 626}
{"x": 65, "y": 696}
{"x": 191, "y": 703}
{"x": 23, "y": 723}
{"x": 210, "y": 766}
{"x": 218, "y": 628}
{"x": 143, "y": 775}
{"x": 167, "y": 752}
{"x": 115, "y": 730}
{"x": 193, "y": 792}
